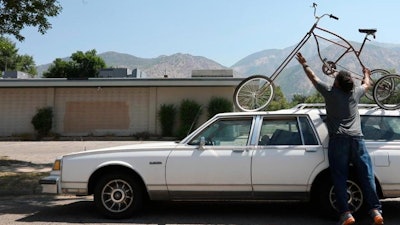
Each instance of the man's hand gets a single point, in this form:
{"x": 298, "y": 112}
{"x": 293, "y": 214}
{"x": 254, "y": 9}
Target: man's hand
{"x": 310, "y": 74}
{"x": 301, "y": 59}
{"x": 367, "y": 78}
{"x": 366, "y": 71}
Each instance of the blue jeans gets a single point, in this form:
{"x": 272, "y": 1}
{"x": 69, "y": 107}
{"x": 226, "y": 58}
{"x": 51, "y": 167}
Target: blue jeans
{"x": 342, "y": 151}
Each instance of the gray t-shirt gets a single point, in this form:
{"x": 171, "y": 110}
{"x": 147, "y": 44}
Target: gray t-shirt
{"x": 341, "y": 109}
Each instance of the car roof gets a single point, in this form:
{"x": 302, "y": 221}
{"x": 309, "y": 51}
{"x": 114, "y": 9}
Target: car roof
{"x": 319, "y": 109}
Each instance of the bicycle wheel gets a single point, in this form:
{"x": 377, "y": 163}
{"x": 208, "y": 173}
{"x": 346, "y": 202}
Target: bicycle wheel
{"x": 376, "y": 74}
{"x": 387, "y": 92}
{"x": 254, "y": 93}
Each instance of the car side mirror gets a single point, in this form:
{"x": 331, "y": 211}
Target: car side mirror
{"x": 202, "y": 143}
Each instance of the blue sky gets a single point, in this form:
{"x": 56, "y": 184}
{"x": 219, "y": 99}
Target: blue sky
{"x": 222, "y": 30}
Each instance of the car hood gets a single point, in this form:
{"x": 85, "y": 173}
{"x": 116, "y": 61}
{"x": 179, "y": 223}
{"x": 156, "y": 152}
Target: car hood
{"x": 152, "y": 146}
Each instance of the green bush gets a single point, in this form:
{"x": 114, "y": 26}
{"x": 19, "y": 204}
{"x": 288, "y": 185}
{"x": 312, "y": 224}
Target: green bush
{"x": 189, "y": 113}
{"x": 142, "y": 135}
{"x": 219, "y": 105}
{"x": 43, "y": 121}
{"x": 167, "y": 116}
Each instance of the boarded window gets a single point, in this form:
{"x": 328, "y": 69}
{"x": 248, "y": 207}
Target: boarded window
{"x": 90, "y": 116}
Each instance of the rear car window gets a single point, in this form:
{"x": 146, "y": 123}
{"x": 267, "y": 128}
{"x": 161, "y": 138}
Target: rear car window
{"x": 287, "y": 131}
{"x": 379, "y": 128}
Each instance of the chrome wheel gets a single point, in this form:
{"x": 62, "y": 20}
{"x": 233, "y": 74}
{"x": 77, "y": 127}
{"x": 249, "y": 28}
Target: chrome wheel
{"x": 355, "y": 197}
{"x": 117, "y": 196}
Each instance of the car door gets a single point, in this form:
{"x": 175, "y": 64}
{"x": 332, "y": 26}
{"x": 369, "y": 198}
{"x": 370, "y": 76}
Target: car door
{"x": 287, "y": 154}
{"x": 219, "y": 168}
{"x": 382, "y": 137}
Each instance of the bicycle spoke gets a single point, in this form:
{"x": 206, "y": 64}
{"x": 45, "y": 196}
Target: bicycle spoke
{"x": 254, "y": 93}
{"x": 387, "y": 92}
{"x": 376, "y": 74}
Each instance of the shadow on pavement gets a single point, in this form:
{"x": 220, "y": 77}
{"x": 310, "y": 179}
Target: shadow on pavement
{"x": 21, "y": 177}
{"x": 82, "y": 210}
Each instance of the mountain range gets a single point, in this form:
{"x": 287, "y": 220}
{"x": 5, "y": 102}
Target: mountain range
{"x": 291, "y": 80}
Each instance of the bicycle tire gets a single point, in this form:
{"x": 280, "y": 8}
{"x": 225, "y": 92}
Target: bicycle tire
{"x": 376, "y": 74}
{"x": 254, "y": 93}
{"x": 387, "y": 92}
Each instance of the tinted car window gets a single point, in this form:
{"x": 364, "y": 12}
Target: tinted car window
{"x": 379, "y": 128}
{"x": 280, "y": 132}
{"x": 287, "y": 131}
{"x": 235, "y": 131}
{"x": 308, "y": 133}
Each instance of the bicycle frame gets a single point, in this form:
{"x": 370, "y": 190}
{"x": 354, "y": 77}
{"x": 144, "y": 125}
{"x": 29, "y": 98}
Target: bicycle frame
{"x": 348, "y": 49}
{"x": 256, "y": 92}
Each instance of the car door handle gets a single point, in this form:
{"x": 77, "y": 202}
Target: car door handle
{"x": 238, "y": 150}
{"x": 311, "y": 149}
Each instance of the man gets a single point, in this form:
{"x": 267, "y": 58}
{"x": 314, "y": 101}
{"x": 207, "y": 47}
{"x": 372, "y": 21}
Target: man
{"x": 346, "y": 143}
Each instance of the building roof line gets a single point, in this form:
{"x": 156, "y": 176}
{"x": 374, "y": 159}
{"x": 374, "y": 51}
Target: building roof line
{"x": 119, "y": 82}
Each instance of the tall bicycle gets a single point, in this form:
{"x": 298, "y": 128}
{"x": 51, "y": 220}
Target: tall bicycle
{"x": 256, "y": 92}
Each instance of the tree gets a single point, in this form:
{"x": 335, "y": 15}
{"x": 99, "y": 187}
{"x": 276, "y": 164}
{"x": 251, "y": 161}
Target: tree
{"x": 10, "y": 60}
{"x": 26, "y": 63}
{"x": 314, "y": 98}
{"x": 16, "y": 14}
{"x": 279, "y": 101}
{"x": 8, "y": 54}
{"x": 86, "y": 64}
{"x": 297, "y": 99}
{"x": 59, "y": 68}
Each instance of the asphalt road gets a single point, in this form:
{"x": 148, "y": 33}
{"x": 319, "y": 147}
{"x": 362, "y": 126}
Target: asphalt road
{"x": 80, "y": 210}
{"x": 48, "y": 209}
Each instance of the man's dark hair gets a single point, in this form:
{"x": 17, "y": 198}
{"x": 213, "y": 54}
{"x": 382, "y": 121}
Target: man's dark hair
{"x": 345, "y": 81}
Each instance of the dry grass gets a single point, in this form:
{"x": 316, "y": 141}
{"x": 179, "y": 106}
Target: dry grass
{"x": 14, "y": 182}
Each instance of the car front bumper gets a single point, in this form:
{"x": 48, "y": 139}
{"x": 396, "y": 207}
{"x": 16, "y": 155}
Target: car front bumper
{"x": 50, "y": 184}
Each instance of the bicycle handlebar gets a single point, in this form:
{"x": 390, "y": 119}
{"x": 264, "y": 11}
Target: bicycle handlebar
{"x": 319, "y": 17}
{"x": 333, "y": 17}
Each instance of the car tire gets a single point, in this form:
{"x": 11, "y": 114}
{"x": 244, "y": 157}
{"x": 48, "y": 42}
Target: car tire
{"x": 118, "y": 196}
{"x": 325, "y": 197}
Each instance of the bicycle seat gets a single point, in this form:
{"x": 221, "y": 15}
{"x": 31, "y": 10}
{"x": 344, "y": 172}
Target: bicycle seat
{"x": 368, "y": 31}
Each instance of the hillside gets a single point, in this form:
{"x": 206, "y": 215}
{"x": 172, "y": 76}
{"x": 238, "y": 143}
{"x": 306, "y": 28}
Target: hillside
{"x": 175, "y": 66}
{"x": 375, "y": 55}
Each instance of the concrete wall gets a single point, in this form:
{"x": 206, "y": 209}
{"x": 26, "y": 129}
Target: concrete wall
{"x": 97, "y": 111}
